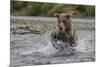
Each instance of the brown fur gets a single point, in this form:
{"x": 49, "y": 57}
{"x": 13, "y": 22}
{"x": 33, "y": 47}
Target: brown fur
{"x": 64, "y": 32}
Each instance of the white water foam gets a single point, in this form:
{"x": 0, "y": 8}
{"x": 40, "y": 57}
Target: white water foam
{"x": 82, "y": 44}
{"x": 50, "y": 50}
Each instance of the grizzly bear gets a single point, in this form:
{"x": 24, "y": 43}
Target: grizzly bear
{"x": 64, "y": 35}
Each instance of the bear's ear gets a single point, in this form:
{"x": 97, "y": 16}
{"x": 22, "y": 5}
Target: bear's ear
{"x": 57, "y": 15}
{"x": 68, "y": 16}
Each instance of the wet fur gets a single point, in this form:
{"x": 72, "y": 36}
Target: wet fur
{"x": 67, "y": 37}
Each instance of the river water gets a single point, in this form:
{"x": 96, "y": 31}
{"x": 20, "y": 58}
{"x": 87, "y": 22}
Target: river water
{"x": 37, "y": 49}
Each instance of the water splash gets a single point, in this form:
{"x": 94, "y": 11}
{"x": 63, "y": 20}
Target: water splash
{"x": 83, "y": 44}
{"x": 50, "y": 50}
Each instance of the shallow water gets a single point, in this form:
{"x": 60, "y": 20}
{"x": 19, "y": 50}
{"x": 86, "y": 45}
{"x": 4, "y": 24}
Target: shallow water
{"x": 33, "y": 49}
